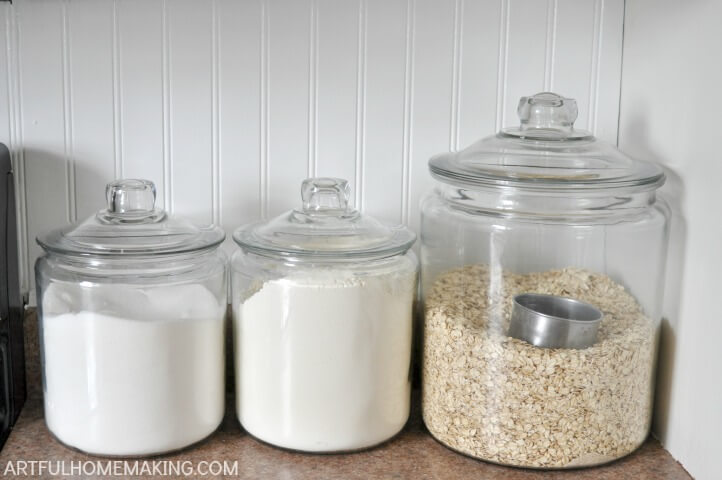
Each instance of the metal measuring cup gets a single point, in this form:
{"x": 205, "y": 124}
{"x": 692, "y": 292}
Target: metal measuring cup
{"x": 551, "y": 321}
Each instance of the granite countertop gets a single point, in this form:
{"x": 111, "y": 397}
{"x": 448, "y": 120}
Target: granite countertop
{"x": 413, "y": 454}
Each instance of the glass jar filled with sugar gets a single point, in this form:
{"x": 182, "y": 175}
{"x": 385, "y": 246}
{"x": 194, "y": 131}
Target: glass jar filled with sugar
{"x": 131, "y": 306}
{"x": 322, "y": 306}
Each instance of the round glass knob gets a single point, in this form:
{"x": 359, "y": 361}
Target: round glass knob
{"x": 547, "y": 110}
{"x": 325, "y": 194}
{"x": 130, "y": 196}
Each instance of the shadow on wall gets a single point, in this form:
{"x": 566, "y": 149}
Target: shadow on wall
{"x": 673, "y": 193}
{"x": 47, "y": 199}
{"x": 45, "y": 182}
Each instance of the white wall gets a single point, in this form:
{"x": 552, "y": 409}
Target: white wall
{"x": 670, "y": 110}
{"x": 229, "y": 104}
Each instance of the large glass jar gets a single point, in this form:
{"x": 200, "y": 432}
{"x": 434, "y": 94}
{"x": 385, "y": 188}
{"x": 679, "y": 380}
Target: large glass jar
{"x": 541, "y": 209}
{"x": 322, "y": 308}
{"x": 131, "y": 306}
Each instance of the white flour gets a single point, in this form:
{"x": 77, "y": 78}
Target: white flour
{"x": 322, "y": 360}
{"x": 144, "y": 375}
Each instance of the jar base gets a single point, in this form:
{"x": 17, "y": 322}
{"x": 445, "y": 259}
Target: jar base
{"x": 533, "y": 467}
{"x": 135, "y": 456}
{"x": 327, "y": 452}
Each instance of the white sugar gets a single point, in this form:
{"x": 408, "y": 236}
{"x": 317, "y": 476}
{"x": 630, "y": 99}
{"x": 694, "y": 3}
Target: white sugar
{"x": 142, "y": 373}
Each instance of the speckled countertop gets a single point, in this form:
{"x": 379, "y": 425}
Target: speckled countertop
{"x": 412, "y": 454}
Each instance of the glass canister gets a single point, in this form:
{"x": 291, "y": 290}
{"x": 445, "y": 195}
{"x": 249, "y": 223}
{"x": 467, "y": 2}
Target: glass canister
{"x": 322, "y": 306}
{"x": 543, "y": 252}
{"x": 131, "y": 307}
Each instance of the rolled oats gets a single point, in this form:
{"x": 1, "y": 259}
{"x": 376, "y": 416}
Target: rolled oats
{"x": 503, "y": 400}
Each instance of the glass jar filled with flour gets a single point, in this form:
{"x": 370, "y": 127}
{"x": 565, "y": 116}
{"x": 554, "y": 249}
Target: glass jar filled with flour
{"x": 131, "y": 305}
{"x": 543, "y": 253}
{"x": 322, "y": 308}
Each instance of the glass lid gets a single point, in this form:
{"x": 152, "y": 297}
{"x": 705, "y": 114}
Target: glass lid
{"x": 131, "y": 226}
{"x": 325, "y": 227}
{"x": 545, "y": 152}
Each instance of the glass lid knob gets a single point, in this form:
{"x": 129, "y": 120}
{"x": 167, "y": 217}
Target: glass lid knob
{"x": 325, "y": 195}
{"x": 130, "y": 196}
{"x": 131, "y": 200}
{"x": 547, "y": 110}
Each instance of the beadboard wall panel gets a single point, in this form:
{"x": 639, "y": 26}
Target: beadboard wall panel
{"x": 89, "y": 113}
{"x": 241, "y": 61}
{"x": 140, "y": 94}
{"x": 481, "y": 28}
{"x": 192, "y": 36}
{"x": 432, "y": 86}
{"x": 287, "y": 88}
{"x": 228, "y": 105}
{"x": 6, "y": 115}
{"x": 332, "y": 94}
{"x": 43, "y": 118}
{"x": 10, "y": 128}
{"x": 383, "y": 106}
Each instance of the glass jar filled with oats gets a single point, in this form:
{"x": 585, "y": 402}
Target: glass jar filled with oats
{"x": 543, "y": 253}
